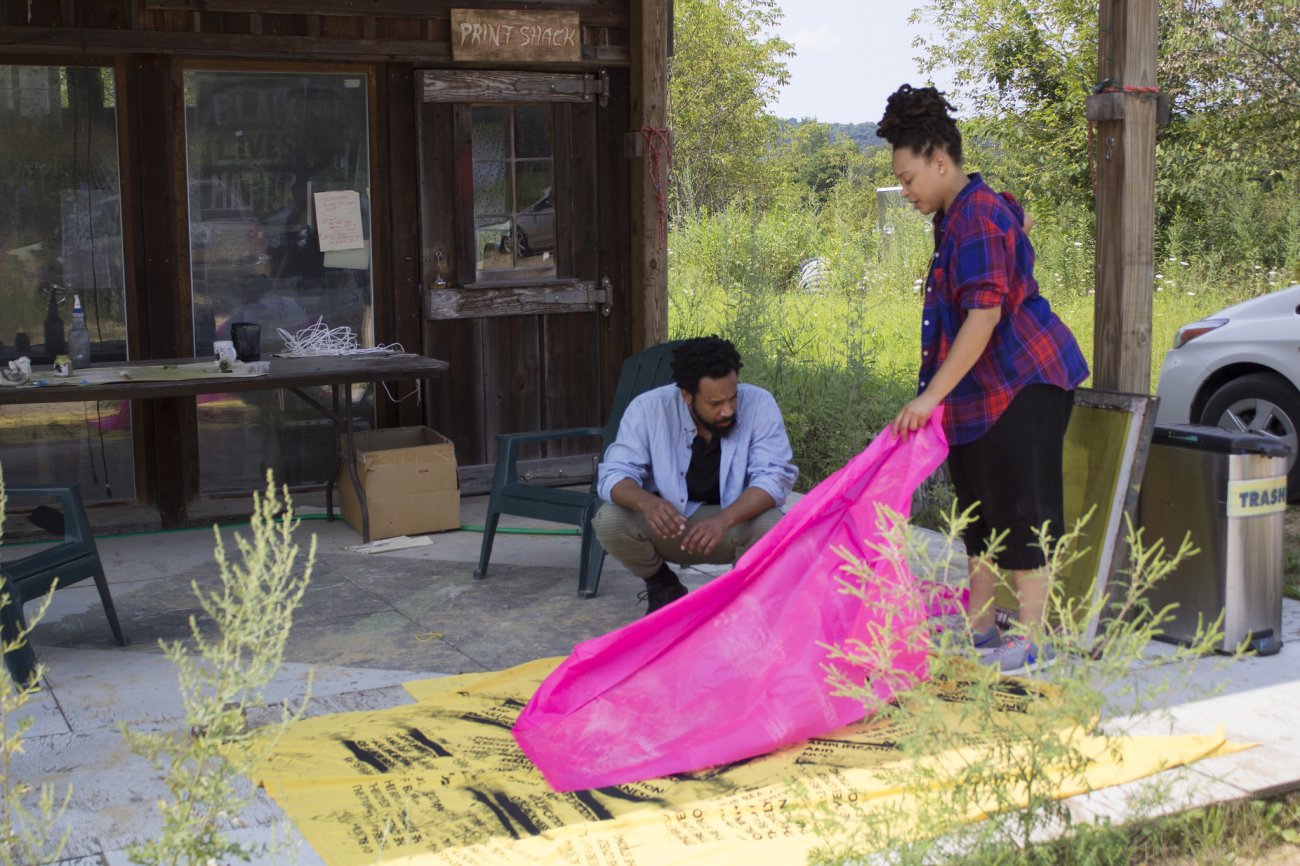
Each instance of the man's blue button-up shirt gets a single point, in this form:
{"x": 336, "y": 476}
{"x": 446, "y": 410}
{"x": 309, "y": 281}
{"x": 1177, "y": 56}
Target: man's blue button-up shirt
{"x": 653, "y": 448}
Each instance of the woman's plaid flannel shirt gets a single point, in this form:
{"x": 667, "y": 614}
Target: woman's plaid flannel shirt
{"x": 984, "y": 259}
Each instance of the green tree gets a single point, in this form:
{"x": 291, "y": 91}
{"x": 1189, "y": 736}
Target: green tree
{"x": 813, "y": 156}
{"x": 1022, "y": 70}
{"x": 1230, "y": 161}
{"x": 1228, "y": 166}
{"x": 725, "y": 71}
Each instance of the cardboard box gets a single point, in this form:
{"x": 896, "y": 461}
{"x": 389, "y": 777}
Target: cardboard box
{"x": 409, "y": 478}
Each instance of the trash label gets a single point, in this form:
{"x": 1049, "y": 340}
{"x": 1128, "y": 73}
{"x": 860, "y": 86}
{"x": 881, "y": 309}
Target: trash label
{"x": 1257, "y": 496}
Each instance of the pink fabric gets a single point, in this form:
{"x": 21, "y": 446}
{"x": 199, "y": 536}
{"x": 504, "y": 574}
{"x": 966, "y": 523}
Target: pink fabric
{"x": 736, "y": 668}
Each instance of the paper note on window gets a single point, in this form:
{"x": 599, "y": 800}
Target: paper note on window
{"x": 338, "y": 220}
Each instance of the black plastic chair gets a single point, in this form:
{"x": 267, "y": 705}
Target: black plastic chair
{"x": 72, "y": 560}
{"x": 641, "y": 372}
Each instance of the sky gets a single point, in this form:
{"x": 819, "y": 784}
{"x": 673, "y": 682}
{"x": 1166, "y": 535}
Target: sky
{"x": 851, "y": 54}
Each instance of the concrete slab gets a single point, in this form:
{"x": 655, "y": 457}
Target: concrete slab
{"x": 91, "y": 689}
{"x": 372, "y": 621}
{"x": 1172, "y": 791}
{"x": 112, "y": 792}
{"x": 43, "y": 713}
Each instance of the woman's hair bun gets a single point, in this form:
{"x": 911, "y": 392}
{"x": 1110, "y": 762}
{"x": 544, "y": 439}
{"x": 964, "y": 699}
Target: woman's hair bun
{"x": 920, "y": 118}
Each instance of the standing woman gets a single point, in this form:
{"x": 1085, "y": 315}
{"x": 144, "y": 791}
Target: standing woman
{"x": 1000, "y": 362}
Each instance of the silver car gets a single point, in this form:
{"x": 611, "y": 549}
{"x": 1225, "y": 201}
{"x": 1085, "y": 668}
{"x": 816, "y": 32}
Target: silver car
{"x": 1239, "y": 369}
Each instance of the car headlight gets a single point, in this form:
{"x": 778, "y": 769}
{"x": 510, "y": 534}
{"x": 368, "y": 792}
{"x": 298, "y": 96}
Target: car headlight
{"x": 1187, "y": 333}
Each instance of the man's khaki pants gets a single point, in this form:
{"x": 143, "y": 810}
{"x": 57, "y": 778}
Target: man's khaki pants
{"x": 627, "y": 537}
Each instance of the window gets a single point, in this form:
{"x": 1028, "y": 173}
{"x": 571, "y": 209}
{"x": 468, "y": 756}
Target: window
{"x": 514, "y": 179}
{"x": 522, "y": 210}
{"x": 259, "y": 147}
{"x": 60, "y": 237}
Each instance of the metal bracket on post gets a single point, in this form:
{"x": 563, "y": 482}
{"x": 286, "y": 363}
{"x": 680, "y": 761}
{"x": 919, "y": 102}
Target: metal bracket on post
{"x": 607, "y": 306}
{"x": 602, "y": 77}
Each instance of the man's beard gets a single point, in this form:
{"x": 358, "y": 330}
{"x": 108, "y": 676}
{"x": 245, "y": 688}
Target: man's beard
{"x": 720, "y": 430}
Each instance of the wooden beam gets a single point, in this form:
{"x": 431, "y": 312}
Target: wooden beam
{"x": 649, "y": 295}
{"x": 569, "y": 296}
{"x": 476, "y": 479}
{"x": 478, "y": 85}
{"x": 1125, "y": 157}
{"x": 594, "y": 13}
{"x": 155, "y": 103}
{"x": 23, "y": 40}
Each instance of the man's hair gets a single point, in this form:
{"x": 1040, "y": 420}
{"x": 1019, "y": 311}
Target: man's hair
{"x": 703, "y": 358}
{"x": 918, "y": 117}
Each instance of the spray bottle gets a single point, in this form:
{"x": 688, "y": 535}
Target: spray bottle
{"x": 78, "y": 337}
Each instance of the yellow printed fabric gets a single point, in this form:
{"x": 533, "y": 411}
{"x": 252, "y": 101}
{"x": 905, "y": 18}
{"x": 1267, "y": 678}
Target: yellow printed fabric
{"x": 441, "y": 781}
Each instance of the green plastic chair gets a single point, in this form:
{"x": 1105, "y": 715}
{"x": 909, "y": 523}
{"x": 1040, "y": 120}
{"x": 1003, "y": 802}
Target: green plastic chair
{"x": 641, "y": 372}
{"x": 72, "y": 560}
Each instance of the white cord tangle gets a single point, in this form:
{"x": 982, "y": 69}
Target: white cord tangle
{"x": 321, "y": 339}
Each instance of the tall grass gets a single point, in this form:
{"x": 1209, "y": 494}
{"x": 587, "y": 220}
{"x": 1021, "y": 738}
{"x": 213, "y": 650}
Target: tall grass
{"x": 841, "y": 356}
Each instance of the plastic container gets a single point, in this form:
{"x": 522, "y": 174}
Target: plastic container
{"x": 247, "y": 337}
{"x": 78, "y": 337}
{"x": 1228, "y": 490}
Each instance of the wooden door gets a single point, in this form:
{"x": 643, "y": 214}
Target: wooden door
{"x": 524, "y": 254}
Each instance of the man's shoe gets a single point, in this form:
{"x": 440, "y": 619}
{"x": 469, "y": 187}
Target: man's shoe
{"x": 661, "y": 589}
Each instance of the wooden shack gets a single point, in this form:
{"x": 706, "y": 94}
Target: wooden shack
{"x": 475, "y": 181}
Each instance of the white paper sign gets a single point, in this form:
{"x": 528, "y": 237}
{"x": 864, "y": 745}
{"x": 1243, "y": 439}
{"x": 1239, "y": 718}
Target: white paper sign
{"x": 338, "y": 220}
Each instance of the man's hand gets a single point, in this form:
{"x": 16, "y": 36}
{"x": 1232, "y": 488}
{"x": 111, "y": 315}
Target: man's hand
{"x": 705, "y": 535}
{"x": 663, "y": 518}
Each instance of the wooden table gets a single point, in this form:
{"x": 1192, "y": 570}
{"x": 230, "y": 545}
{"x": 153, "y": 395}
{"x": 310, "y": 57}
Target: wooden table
{"x": 339, "y": 373}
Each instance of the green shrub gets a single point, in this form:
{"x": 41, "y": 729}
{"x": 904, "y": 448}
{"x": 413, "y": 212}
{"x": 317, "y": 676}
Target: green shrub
{"x": 964, "y": 754}
{"x": 26, "y": 831}
{"x": 233, "y": 661}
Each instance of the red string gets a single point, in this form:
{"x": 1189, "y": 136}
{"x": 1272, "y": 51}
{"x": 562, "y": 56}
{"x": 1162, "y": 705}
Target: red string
{"x": 1141, "y": 90}
{"x": 658, "y": 146}
{"x": 1128, "y": 88}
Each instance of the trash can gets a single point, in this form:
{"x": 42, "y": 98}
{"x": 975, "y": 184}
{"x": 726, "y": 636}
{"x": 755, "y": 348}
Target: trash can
{"x": 1228, "y": 490}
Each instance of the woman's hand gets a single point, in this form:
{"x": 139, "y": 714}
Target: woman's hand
{"x": 914, "y": 415}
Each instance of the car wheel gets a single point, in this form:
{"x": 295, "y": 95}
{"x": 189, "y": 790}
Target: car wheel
{"x": 1260, "y": 403}
{"x": 521, "y": 243}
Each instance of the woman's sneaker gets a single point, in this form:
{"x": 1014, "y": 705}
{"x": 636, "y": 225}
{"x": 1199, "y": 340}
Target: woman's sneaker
{"x": 987, "y": 640}
{"x": 1017, "y": 653}
{"x": 957, "y": 623}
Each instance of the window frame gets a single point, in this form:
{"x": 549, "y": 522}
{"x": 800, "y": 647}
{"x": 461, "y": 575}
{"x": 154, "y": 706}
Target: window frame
{"x": 468, "y": 89}
{"x": 467, "y": 213}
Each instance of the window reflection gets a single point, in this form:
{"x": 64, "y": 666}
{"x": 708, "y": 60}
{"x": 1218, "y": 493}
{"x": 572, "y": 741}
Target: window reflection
{"x": 514, "y": 214}
{"x": 60, "y": 237}
{"x": 260, "y": 146}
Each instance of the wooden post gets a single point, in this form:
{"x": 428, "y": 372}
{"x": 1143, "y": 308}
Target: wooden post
{"x": 649, "y": 290}
{"x": 1124, "y": 141}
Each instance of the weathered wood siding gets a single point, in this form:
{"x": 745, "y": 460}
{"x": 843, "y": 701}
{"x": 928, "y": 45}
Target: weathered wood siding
{"x": 524, "y": 369}
{"x": 406, "y": 30}
{"x": 510, "y": 372}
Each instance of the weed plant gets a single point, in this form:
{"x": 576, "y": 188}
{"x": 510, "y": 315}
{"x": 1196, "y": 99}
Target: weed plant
{"x": 25, "y": 826}
{"x": 27, "y": 814}
{"x": 1243, "y": 831}
{"x": 225, "y": 673}
{"x": 973, "y": 744}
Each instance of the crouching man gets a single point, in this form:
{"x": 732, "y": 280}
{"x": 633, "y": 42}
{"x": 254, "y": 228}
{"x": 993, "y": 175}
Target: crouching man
{"x": 697, "y": 473}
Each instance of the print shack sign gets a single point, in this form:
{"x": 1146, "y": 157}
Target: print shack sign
{"x": 496, "y": 34}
